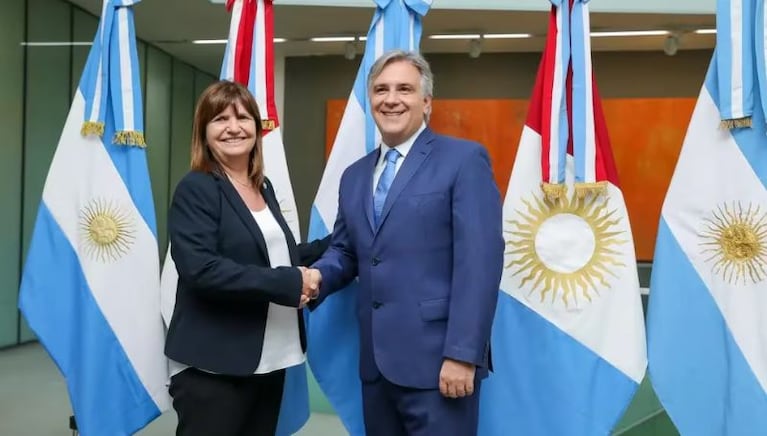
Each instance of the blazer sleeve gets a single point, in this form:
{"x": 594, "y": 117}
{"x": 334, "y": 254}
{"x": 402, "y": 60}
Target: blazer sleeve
{"x": 193, "y": 225}
{"x": 477, "y": 259}
{"x": 310, "y": 252}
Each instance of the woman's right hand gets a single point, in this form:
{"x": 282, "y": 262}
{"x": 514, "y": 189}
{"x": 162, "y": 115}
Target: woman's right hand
{"x": 311, "y": 285}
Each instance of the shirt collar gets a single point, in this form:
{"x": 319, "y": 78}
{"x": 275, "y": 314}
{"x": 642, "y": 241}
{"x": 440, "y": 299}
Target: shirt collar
{"x": 403, "y": 148}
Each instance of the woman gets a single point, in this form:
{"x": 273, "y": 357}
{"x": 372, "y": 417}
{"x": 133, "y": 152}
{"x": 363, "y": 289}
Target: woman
{"x": 237, "y": 322}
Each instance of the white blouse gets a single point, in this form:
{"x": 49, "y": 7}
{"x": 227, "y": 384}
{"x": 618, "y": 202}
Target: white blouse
{"x": 282, "y": 341}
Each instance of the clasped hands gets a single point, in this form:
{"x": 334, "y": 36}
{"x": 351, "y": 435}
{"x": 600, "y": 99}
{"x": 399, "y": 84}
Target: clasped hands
{"x": 311, "y": 285}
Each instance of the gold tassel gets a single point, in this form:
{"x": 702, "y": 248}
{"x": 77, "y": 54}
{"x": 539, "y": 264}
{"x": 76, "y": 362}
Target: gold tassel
{"x": 582, "y": 190}
{"x": 735, "y": 123}
{"x": 130, "y": 137}
{"x": 268, "y": 124}
{"x": 92, "y": 128}
{"x": 554, "y": 191}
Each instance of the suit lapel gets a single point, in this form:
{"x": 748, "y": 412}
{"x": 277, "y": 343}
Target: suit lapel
{"x": 244, "y": 213}
{"x": 417, "y": 155}
{"x": 367, "y": 187}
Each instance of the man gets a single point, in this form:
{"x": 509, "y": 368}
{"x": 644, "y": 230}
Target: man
{"x": 419, "y": 221}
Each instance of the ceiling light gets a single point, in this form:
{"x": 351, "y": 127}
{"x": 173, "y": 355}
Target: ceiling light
{"x": 333, "y": 39}
{"x": 456, "y": 36}
{"x": 224, "y": 41}
{"x": 631, "y": 33}
{"x": 55, "y": 43}
{"x": 506, "y": 35}
{"x": 706, "y": 31}
{"x": 209, "y": 41}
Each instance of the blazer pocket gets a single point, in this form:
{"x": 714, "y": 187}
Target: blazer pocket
{"x": 432, "y": 208}
{"x": 426, "y": 198}
{"x": 434, "y": 310}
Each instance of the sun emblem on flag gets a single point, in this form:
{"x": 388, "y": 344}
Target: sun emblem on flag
{"x": 565, "y": 248}
{"x": 735, "y": 241}
{"x": 107, "y": 231}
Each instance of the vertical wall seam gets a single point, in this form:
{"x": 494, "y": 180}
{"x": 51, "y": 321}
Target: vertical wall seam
{"x": 25, "y": 66}
{"x": 71, "y": 50}
{"x": 145, "y": 81}
{"x": 171, "y": 86}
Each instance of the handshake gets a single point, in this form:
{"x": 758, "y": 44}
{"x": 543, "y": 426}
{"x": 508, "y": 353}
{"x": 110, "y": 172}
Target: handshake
{"x": 311, "y": 286}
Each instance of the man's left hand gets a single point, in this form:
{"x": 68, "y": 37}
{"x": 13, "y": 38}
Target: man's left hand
{"x": 456, "y": 379}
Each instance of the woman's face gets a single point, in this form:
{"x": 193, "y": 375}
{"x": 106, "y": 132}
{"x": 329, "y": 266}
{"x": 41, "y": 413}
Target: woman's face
{"x": 231, "y": 134}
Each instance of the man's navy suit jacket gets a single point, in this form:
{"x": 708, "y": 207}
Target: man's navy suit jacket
{"x": 429, "y": 274}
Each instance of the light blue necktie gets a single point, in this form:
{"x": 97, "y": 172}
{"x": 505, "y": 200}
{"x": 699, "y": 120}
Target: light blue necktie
{"x": 384, "y": 183}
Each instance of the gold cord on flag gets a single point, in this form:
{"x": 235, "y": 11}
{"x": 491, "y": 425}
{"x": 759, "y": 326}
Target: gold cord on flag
{"x": 554, "y": 191}
{"x": 92, "y": 128}
{"x": 736, "y": 123}
{"x": 129, "y": 137}
{"x": 582, "y": 190}
{"x": 268, "y": 124}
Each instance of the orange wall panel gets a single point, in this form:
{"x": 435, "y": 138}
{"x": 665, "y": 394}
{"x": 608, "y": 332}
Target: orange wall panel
{"x": 646, "y": 136}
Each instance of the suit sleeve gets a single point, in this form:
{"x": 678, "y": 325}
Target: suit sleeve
{"x": 310, "y": 252}
{"x": 193, "y": 224}
{"x": 338, "y": 265}
{"x": 477, "y": 260}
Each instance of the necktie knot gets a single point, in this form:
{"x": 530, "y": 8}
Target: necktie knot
{"x": 392, "y": 156}
{"x": 384, "y": 183}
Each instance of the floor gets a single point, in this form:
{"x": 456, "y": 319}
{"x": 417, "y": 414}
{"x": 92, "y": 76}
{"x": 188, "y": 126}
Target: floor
{"x": 34, "y": 402}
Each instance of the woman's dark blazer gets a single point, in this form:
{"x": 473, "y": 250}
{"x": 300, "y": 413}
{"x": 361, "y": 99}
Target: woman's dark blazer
{"x": 225, "y": 280}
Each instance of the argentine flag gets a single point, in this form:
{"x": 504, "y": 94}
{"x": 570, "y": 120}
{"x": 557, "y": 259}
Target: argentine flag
{"x": 249, "y": 58}
{"x": 332, "y": 327}
{"x": 707, "y": 316}
{"x": 568, "y": 344}
{"x": 90, "y": 287}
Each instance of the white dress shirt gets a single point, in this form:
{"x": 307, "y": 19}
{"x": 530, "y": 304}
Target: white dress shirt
{"x": 403, "y": 150}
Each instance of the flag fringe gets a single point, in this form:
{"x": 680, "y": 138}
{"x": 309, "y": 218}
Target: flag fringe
{"x": 582, "y": 190}
{"x": 736, "y": 123}
{"x": 92, "y": 128}
{"x": 554, "y": 191}
{"x": 129, "y": 137}
{"x": 268, "y": 125}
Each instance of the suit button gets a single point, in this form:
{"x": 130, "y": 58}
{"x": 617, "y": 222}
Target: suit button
{"x": 376, "y": 261}
{"x": 377, "y": 304}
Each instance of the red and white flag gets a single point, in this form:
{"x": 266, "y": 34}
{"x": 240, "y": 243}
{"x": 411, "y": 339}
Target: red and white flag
{"x": 568, "y": 337}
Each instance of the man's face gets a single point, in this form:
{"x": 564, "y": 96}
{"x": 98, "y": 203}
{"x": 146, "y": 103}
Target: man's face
{"x": 398, "y": 102}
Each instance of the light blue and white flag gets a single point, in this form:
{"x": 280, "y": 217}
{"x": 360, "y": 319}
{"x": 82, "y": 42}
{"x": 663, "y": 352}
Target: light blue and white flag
{"x": 707, "y": 316}
{"x": 332, "y": 327}
{"x": 249, "y": 59}
{"x": 90, "y": 287}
